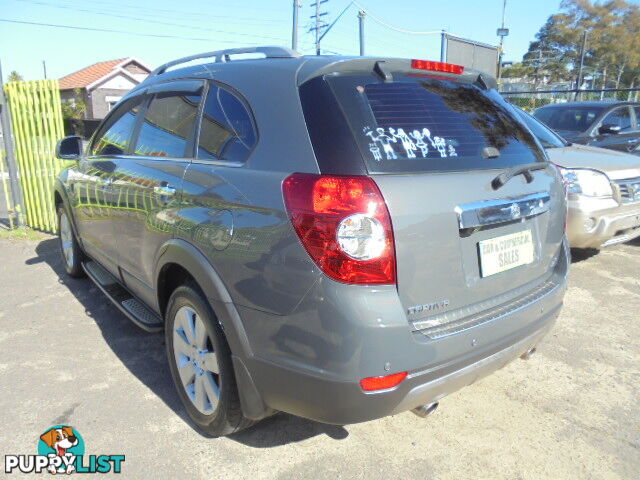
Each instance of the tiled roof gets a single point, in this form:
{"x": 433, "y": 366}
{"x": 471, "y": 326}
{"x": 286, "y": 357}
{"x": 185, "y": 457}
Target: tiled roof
{"x": 88, "y": 75}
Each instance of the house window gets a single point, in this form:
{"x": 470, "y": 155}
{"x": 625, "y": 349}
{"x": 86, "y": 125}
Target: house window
{"x": 111, "y": 101}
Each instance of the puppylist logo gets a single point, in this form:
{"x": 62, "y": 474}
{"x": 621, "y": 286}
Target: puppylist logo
{"x": 61, "y": 450}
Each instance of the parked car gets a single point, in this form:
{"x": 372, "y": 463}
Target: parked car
{"x": 337, "y": 238}
{"x": 603, "y": 189}
{"x": 613, "y": 125}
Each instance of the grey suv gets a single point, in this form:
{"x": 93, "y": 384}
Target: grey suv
{"x": 338, "y": 238}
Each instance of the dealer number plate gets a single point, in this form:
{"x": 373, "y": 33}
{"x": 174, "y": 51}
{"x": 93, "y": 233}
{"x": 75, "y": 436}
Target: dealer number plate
{"x": 505, "y": 252}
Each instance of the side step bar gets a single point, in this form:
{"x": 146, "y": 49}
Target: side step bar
{"x": 121, "y": 298}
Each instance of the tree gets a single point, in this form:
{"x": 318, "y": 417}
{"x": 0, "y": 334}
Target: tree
{"x": 613, "y": 42}
{"x": 74, "y": 110}
{"x": 15, "y": 77}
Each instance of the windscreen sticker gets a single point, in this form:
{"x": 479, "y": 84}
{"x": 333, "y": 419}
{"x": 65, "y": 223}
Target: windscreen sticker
{"x": 415, "y": 143}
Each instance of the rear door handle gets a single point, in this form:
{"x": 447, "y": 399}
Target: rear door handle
{"x": 164, "y": 190}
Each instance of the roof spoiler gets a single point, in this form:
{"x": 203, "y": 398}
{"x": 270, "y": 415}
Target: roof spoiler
{"x": 221, "y": 56}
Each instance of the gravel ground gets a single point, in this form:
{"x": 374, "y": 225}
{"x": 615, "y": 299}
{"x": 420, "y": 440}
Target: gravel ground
{"x": 572, "y": 411}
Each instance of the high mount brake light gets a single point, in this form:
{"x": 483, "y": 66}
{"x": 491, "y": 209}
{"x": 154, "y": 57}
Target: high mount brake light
{"x": 344, "y": 224}
{"x": 437, "y": 66}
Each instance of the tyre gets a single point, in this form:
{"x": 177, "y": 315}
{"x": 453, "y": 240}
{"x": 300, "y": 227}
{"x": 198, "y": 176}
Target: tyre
{"x": 200, "y": 362}
{"x": 72, "y": 255}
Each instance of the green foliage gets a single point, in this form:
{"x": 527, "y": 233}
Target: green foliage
{"x": 613, "y": 41}
{"x": 15, "y": 77}
{"x": 76, "y": 108}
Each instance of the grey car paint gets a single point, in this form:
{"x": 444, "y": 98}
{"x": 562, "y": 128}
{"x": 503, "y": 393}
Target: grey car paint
{"x": 301, "y": 341}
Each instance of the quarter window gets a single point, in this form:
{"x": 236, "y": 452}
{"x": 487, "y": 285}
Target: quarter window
{"x": 115, "y": 139}
{"x": 167, "y": 125}
{"x": 226, "y": 131}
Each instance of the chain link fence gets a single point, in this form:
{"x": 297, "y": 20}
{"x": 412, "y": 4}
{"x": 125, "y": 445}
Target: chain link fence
{"x": 530, "y": 100}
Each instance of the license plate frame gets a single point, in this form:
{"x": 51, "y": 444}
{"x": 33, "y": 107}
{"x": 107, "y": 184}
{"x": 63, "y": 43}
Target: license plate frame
{"x": 506, "y": 252}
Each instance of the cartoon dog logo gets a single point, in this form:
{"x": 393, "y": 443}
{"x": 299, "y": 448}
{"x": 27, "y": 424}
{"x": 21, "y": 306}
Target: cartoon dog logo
{"x": 60, "y": 439}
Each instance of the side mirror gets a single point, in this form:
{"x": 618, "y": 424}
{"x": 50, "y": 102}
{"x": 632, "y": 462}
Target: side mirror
{"x": 609, "y": 129}
{"x": 69, "y": 148}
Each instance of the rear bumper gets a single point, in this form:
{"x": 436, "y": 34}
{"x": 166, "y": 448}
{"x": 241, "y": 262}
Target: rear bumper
{"x": 337, "y": 402}
{"x": 597, "y": 223}
{"x": 315, "y": 373}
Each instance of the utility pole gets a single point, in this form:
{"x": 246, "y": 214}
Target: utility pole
{"x": 361, "y": 15}
{"x": 7, "y": 135}
{"x": 443, "y": 46}
{"x": 319, "y": 23}
{"x": 502, "y": 32}
{"x": 44, "y": 69}
{"x": 582, "y": 52}
{"x": 294, "y": 31}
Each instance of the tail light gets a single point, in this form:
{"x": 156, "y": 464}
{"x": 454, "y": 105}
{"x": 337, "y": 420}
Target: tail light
{"x": 382, "y": 383}
{"x": 344, "y": 224}
{"x": 437, "y": 66}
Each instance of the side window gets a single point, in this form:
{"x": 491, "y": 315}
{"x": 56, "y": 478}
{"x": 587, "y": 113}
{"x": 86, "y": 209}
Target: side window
{"x": 115, "y": 139}
{"x": 226, "y": 131}
{"x": 620, "y": 117}
{"x": 167, "y": 125}
{"x": 637, "y": 110}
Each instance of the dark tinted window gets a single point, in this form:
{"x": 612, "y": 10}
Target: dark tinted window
{"x": 115, "y": 139}
{"x": 167, "y": 125}
{"x": 620, "y": 117}
{"x": 568, "y": 119}
{"x": 547, "y": 138}
{"x": 418, "y": 124}
{"x": 227, "y": 131}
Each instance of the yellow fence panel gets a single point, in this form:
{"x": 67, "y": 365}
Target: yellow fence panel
{"x": 37, "y": 125}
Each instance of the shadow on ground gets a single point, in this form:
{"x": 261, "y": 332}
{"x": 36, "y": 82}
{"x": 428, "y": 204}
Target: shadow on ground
{"x": 144, "y": 356}
{"x": 582, "y": 254}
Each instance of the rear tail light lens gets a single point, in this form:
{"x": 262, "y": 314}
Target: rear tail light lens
{"x": 382, "y": 383}
{"x": 344, "y": 224}
{"x": 437, "y": 66}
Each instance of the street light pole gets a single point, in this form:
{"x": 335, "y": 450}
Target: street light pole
{"x": 294, "y": 29}
{"x": 361, "y": 15}
{"x": 502, "y": 32}
{"x": 582, "y": 52}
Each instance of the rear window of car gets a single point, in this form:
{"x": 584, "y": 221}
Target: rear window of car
{"x": 569, "y": 118}
{"x": 418, "y": 124}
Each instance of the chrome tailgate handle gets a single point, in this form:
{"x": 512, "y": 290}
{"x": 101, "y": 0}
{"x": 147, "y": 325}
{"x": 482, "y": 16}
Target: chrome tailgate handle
{"x": 503, "y": 210}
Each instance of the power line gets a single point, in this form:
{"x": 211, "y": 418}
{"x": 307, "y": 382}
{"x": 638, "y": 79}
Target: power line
{"x": 394, "y": 27}
{"x": 108, "y": 30}
{"x": 157, "y": 13}
{"x": 158, "y": 22}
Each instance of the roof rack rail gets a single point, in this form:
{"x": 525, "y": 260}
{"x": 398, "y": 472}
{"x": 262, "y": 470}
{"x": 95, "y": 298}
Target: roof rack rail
{"x": 223, "y": 56}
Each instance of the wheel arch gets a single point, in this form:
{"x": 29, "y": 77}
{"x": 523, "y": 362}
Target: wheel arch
{"x": 178, "y": 260}
{"x": 61, "y": 198}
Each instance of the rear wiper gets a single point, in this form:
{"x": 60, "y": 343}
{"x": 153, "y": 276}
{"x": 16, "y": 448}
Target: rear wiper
{"x": 525, "y": 170}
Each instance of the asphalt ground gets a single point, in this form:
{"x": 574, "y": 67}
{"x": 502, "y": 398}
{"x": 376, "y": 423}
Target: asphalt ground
{"x": 67, "y": 356}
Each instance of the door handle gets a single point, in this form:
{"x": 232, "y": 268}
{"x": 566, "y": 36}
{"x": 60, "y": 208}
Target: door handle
{"x": 164, "y": 190}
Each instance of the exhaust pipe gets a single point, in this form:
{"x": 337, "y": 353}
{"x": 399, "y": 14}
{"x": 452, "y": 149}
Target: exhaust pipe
{"x": 528, "y": 354}
{"x": 425, "y": 410}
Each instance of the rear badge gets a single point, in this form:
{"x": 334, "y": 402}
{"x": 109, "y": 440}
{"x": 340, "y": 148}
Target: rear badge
{"x": 429, "y": 307}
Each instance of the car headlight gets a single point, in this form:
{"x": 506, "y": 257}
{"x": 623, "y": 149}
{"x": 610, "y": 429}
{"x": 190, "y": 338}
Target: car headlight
{"x": 590, "y": 183}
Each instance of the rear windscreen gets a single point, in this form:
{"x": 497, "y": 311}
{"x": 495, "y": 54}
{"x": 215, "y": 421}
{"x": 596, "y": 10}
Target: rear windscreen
{"x": 432, "y": 124}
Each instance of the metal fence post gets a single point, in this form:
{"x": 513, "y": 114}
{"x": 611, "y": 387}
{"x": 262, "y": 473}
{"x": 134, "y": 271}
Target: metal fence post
{"x": 7, "y": 135}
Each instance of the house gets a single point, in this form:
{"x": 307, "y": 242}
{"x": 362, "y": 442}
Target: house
{"x": 102, "y": 84}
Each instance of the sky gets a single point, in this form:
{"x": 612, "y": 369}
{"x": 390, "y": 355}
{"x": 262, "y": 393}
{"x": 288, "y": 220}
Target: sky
{"x": 157, "y": 31}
